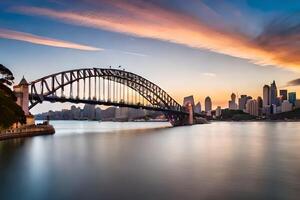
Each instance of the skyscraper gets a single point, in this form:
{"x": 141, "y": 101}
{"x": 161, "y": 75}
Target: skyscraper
{"x": 198, "y": 108}
{"x": 242, "y": 102}
{"x": 286, "y": 106}
{"x": 252, "y": 107}
{"x": 266, "y": 96}
{"x": 283, "y": 94}
{"x": 232, "y": 104}
{"x": 218, "y": 111}
{"x": 273, "y": 94}
{"x": 260, "y": 105}
{"x": 208, "y": 104}
{"x": 292, "y": 97}
{"x": 260, "y": 102}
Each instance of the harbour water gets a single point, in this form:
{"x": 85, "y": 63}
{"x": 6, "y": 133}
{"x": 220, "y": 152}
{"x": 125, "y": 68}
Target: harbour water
{"x": 110, "y": 160}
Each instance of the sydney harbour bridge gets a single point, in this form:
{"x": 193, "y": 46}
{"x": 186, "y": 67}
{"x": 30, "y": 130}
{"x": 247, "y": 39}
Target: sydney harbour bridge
{"x": 110, "y": 87}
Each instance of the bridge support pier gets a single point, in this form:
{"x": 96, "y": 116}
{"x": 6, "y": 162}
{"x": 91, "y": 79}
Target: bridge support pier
{"x": 191, "y": 114}
{"x": 22, "y": 93}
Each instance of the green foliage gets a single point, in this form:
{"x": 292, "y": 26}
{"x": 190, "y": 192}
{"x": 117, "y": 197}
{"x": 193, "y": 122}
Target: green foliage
{"x": 243, "y": 117}
{"x": 292, "y": 115}
{"x": 236, "y": 115}
{"x": 6, "y": 76}
{"x": 10, "y": 111}
{"x": 228, "y": 114}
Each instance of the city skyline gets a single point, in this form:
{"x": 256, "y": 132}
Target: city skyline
{"x": 38, "y": 39}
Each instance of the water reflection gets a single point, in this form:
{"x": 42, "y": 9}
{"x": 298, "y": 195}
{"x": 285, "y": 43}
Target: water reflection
{"x": 92, "y": 160}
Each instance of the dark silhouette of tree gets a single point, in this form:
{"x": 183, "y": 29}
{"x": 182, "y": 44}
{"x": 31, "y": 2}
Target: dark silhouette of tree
{"x": 10, "y": 111}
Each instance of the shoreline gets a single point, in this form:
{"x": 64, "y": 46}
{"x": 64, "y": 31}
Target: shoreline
{"x": 30, "y": 131}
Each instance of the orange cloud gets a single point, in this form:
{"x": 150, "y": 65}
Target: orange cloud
{"x": 150, "y": 21}
{"x": 26, "y": 37}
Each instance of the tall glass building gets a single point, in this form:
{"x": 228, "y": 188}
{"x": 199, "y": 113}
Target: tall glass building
{"x": 292, "y": 97}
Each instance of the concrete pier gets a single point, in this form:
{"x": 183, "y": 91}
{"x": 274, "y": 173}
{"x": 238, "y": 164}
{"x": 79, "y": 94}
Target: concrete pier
{"x": 27, "y": 131}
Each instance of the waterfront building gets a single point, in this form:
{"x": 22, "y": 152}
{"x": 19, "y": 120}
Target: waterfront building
{"x": 242, "y": 102}
{"x": 218, "y": 111}
{"x": 279, "y": 100}
{"x": 260, "y": 102}
{"x": 136, "y": 113}
{"x": 286, "y": 106}
{"x": 278, "y": 109}
{"x": 252, "y": 107}
{"x": 198, "y": 108}
{"x": 292, "y": 98}
{"x": 297, "y": 103}
{"x": 267, "y": 110}
{"x": 283, "y": 94}
{"x": 121, "y": 113}
{"x": 260, "y": 105}
{"x": 98, "y": 113}
{"x": 273, "y": 109}
{"x": 273, "y": 94}
{"x": 266, "y": 97}
{"x": 75, "y": 112}
{"x": 89, "y": 112}
{"x": 208, "y": 104}
{"x": 232, "y": 105}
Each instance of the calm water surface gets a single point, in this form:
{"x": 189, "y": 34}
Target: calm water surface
{"x": 91, "y": 160}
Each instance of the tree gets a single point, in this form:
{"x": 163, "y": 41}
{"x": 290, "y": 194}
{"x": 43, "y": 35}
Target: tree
{"x": 10, "y": 111}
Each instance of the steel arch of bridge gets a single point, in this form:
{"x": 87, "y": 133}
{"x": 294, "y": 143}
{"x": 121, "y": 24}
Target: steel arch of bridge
{"x": 114, "y": 85}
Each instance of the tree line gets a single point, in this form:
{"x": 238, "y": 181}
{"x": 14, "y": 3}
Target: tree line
{"x": 10, "y": 111}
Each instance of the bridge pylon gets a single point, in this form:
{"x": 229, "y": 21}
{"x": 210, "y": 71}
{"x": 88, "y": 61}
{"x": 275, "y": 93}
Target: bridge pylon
{"x": 22, "y": 93}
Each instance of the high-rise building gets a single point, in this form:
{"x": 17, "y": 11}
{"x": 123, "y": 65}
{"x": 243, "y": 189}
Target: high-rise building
{"x": 260, "y": 102}
{"x": 208, "y": 104}
{"x": 198, "y": 108}
{"x": 274, "y": 109}
{"x": 279, "y": 100}
{"x": 297, "y": 103}
{"x": 266, "y": 96}
{"x": 292, "y": 98}
{"x": 242, "y": 102}
{"x": 260, "y": 105}
{"x": 286, "y": 106}
{"x": 218, "y": 111}
{"x": 252, "y": 107}
{"x": 283, "y": 94}
{"x": 273, "y": 94}
{"x": 232, "y": 103}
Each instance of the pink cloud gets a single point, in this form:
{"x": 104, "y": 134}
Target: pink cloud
{"x": 150, "y": 21}
{"x": 27, "y": 37}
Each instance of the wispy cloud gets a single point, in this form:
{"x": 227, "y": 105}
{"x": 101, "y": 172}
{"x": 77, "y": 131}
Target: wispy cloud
{"x": 151, "y": 21}
{"x": 134, "y": 53}
{"x": 209, "y": 74}
{"x": 35, "y": 39}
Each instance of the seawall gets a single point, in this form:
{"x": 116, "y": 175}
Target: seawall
{"x": 29, "y": 131}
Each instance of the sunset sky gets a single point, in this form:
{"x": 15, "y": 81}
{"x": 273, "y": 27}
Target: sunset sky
{"x": 200, "y": 47}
